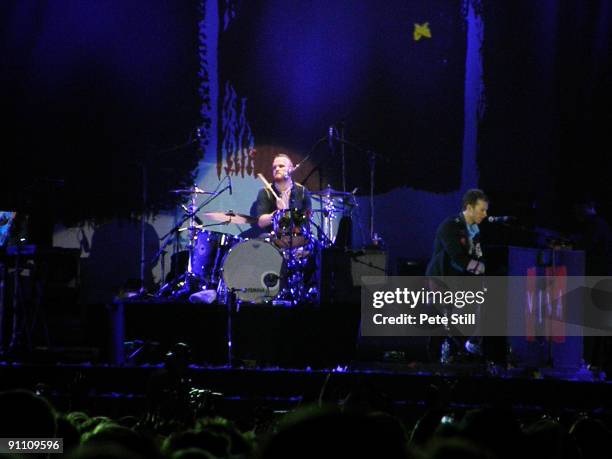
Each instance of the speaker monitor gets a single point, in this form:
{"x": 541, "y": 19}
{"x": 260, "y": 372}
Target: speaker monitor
{"x": 367, "y": 263}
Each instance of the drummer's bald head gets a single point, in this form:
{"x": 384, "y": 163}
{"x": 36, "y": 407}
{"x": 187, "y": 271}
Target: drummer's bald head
{"x": 283, "y": 155}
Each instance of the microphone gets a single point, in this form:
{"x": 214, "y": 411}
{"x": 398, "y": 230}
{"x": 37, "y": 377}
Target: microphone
{"x": 229, "y": 179}
{"x": 502, "y": 219}
{"x": 330, "y": 137}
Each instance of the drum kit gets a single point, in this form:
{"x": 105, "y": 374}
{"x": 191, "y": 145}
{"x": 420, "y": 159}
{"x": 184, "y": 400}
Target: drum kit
{"x": 276, "y": 268}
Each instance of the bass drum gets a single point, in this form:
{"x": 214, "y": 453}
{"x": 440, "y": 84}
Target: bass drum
{"x": 254, "y": 270}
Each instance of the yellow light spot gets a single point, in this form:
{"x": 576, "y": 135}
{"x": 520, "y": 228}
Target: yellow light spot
{"x": 421, "y": 31}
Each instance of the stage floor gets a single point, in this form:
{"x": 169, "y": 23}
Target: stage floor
{"x": 283, "y": 358}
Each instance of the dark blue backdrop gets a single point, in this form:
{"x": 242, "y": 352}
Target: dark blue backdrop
{"x": 90, "y": 91}
{"x": 303, "y": 66}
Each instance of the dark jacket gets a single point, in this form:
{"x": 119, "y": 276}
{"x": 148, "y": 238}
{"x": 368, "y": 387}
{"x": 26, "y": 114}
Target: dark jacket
{"x": 452, "y": 251}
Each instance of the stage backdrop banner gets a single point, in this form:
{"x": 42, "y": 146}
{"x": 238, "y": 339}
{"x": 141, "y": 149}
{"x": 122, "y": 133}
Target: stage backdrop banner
{"x": 390, "y": 73}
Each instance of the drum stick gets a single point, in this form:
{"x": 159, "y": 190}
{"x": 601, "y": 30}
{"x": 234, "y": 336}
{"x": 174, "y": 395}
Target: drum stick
{"x": 267, "y": 185}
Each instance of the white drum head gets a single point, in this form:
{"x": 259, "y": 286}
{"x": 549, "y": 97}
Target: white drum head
{"x": 249, "y": 266}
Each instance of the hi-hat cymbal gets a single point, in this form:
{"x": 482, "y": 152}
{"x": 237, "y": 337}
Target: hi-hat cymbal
{"x": 193, "y": 190}
{"x": 230, "y": 217}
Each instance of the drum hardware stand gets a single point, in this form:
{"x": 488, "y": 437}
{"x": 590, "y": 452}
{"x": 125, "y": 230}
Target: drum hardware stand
{"x": 327, "y": 241}
{"x": 190, "y": 279}
{"x": 341, "y": 130}
{"x": 143, "y": 164}
{"x": 143, "y": 224}
{"x": 168, "y": 286}
{"x": 232, "y": 305}
{"x": 372, "y": 157}
{"x": 2, "y": 287}
{"x": 15, "y": 303}
{"x": 17, "y": 311}
{"x": 231, "y": 302}
{"x": 24, "y": 320}
{"x": 328, "y": 214}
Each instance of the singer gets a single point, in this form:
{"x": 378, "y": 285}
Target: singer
{"x": 457, "y": 250}
{"x": 291, "y": 195}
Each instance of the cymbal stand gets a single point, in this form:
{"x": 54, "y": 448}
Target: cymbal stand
{"x": 231, "y": 307}
{"x": 192, "y": 282}
{"x": 192, "y": 232}
{"x": 168, "y": 286}
{"x": 214, "y": 196}
{"x": 326, "y": 242}
{"x": 190, "y": 215}
{"x": 327, "y": 217}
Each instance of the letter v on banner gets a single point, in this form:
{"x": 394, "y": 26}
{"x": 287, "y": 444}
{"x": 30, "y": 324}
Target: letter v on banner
{"x": 557, "y": 292}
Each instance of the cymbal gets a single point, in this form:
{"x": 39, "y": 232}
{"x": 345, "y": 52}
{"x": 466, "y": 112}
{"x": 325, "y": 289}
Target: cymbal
{"x": 193, "y": 190}
{"x": 230, "y": 217}
{"x": 324, "y": 197}
{"x": 330, "y": 193}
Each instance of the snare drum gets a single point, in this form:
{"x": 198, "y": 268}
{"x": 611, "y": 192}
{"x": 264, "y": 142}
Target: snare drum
{"x": 291, "y": 228}
{"x": 208, "y": 253}
{"x": 254, "y": 270}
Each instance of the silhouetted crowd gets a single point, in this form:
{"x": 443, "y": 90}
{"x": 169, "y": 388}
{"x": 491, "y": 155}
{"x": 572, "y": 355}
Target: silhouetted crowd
{"x": 350, "y": 429}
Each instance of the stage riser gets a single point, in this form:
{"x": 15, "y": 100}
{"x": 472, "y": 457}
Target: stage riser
{"x": 273, "y": 336}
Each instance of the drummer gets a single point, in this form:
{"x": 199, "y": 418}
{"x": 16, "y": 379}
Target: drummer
{"x": 291, "y": 194}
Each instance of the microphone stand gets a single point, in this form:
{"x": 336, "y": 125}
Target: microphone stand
{"x": 143, "y": 224}
{"x": 373, "y": 156}
{"x": 310, "y": 152}
{"x": 342, "y": 157}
